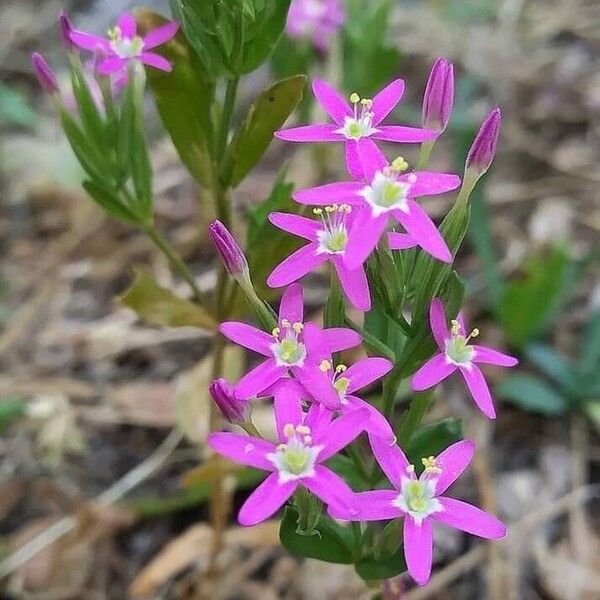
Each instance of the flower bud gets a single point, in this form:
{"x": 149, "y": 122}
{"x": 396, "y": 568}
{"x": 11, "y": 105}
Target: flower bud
{"x": 231, "y": 254}
{"x": 438, "y": 99}
{"x": 232, "y": 408}
{"x": 483, "y": 148}
{"x": 65, "y": 28}
{"x": 44, "y": 74}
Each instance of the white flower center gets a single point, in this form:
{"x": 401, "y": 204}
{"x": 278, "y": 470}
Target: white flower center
{"x": 339, "y": 381}
{"x": 297, "y": 457}
{"x": 125, "y": 47}
{"x": 333, "y": 238}
{"x": 457, "y": 350}
{"x": 417, "y": 496}
{"x": 288, "y": 350}
{"x": 361, "y": 123}
{"x": 386, "y": 193}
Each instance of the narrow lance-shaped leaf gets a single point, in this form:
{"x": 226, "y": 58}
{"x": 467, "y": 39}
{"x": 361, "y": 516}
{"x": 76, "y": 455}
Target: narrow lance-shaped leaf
{"x": 160, "y": 306}
{"x": 268, "y": 113}
{"x": 183, "y": 99}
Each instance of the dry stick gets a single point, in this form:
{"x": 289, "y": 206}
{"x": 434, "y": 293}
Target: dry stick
{"x": 521, "y": 528}
{"x": 114, "y": 493}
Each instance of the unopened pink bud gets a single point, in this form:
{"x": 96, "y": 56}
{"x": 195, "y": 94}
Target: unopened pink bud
{"x": 231, "y": 254}
{"x": 65, "y": 28}
{"x": 483, "y": 149}
{"x": 438, "y": 99}
{"x": 232, "y": 408}
{"x": 44, "y": 74}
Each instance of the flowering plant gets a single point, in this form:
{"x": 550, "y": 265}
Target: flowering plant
{"x": 340, "y": 462}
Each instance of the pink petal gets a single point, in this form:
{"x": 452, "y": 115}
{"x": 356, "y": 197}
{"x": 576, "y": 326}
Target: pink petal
{"x": 160, "y": 35}
{"x": 385, "y": 102}
{"x": 418, "y": 549}
{"x": 318, "y": 417}
{"x": 364, "y": 237}
{"x": 317, "y": 385}
{"x": 366, "y": 371}
{"x": 110, "y": 65}
{"x": 432, "y": 372}
{"x": 288, "y": 407}
{"x": 248, "y": 336}
{"x": 291, "y": 306}
{"x": 330, "y": 488}
{"x": 403, "y": 134}
{"x": 335, "y": 106}
{"x": 355, "y": 285}
{"x": 296, "y": 265}
{"x": 372, "y": 159}
{"x": 493, "y": 357}
{"x": 156, "y": 60}
{"x": 330, "y": 193}
{"x": 266, "y": 500}
{"x": 296, "y": 225}
{"x": 353, "y": 160}
{"x": 369, "y": 506}
{"x": 310, "y": 133}
{"x": 127, "y": 25}
{"x": 391, "y": 459}
{"x": 88, "y": 41}
{"x": 243, "y": 449}
{"x": 479, "y": 390}
{"x": 400, "y": 241}
{"x": 469, "y": 518}
{"x": 341, "y": 432}
{"x": 438, "y": 323}
{"x": 453, "y": 461}
{"x": 429, "y": 183}
{"x": 377, "y": 424}
{"x": 341, "y": 338}
{"x": 462, "y": 321}
{"x": 259, "y": 379}
{"x": 424, "y": 231}
{"x": 316, "y": 343}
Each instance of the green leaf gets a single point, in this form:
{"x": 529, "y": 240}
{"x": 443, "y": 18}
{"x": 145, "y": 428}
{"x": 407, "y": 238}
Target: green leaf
{"x": 547, "y": 360}
{"x": 531, "y": 301}
{"x": 11, "y": 409}
{"x": 370, "y": 568}
{"x": 345, "y": 467}
{"x": 432, "y": 439}
{"x": 183, "y": 99}
{"x": 332, "y": 543}
{"x": 533, "y": 395}
{"x": 160, "y": 306}
{"x": 110, "y": 201}
{"x": 372, "y": 344}
{"x": 268, "y": 113}
{"x": 589, "y": 362}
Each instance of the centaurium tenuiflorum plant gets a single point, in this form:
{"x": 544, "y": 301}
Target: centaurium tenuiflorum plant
{"x": 339, "y": 384}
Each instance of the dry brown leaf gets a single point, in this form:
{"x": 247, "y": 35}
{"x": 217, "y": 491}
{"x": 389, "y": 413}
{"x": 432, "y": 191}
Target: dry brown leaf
{"x": 214, "y": 467}
{"x": 11, "y": 493}
{"x": 194, "y": 544}
{"x": 192, "y": 401}
{"x": 145, "y": 403}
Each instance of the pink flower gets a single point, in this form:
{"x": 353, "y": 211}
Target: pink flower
{"x": 292, "y": 347}
{"x": 305, "y": 441}
{"x": 482, "y": 151}
{"x": 355, "y": 125}
{"x": 123, "y": 44}
{"x": 438, "y": 99}
{"x": 232, "y": 408}
{"x": 386, "y": 194}
{"x": 328, "y": 238}
{"x": 419, "y": 501}
{"x": 456, "y": 353}
{"x": 317, "y": 20}
{"x": 347, "y": 381}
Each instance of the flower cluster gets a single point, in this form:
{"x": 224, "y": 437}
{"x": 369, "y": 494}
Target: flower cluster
{"x": 317, "y": 411}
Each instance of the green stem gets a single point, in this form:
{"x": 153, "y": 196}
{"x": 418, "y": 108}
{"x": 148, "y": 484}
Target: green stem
{"x": 413, "y": 417}
{"x": 178, "y": 265}
{"x": 424, "y": 154}
{"x": 228, "y": 104}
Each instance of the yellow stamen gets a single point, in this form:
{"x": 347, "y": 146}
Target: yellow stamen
{"x": 298, "y": 327}
{"x": 303, "y": 429}
{"x": 410, "y": 469}
{"x": 354, "y": 98}
{"x": 455, "y": 327}
{"x": 285, "y": 323}
{"x": 325, "y": 366}
{"x": 317, "y": 211}
{"x": 341, "y": 368}
{"x": 399, "y": 164}
{"x": 276, "y": 331}
{"x": 289, "y": 430}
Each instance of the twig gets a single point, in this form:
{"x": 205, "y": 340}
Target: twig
{"x": 114, "y": 493}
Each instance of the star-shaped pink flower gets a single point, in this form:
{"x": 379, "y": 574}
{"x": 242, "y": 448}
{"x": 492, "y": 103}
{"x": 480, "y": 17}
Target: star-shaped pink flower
{"x": 457, "y": 354}
{"x": 293, "y": 347}
{"x": 357, "y": 124}
{"x": 386, "y": 194}
{"x": 419, "y": 501}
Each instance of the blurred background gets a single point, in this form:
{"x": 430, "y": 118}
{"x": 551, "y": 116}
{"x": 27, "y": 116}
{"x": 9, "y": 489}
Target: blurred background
{"x": 88, "y": 392}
